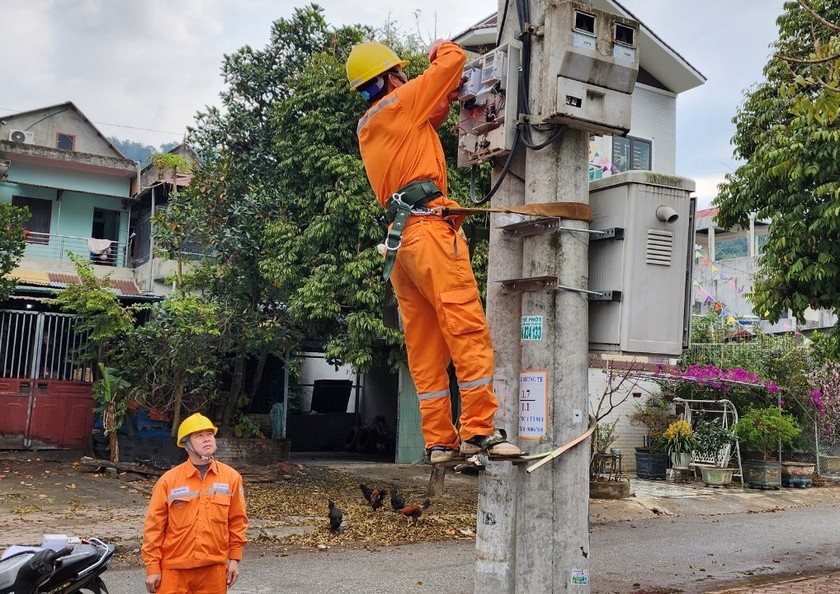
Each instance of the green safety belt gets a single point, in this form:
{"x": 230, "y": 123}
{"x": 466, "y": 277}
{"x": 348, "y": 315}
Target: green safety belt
{"x": 398, "y": 209}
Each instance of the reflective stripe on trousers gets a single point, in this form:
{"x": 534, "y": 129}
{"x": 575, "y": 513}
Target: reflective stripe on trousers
{"x": 443, "y": 319}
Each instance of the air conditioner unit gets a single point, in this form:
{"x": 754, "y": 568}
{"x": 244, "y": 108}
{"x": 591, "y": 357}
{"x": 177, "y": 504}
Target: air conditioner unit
{"x": 22, "y": 136}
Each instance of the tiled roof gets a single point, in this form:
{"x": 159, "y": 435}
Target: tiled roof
{"x": 59, "y": 280}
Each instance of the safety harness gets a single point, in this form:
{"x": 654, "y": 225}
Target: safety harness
{"x": 397, "y": 210}
{"x": 410, "y": 199}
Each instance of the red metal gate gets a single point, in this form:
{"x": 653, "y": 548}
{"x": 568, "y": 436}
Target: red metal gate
{"x": 45, "y": 396}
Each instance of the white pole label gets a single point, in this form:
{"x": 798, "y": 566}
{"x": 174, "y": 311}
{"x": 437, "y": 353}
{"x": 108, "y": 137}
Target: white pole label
{"x": 533, "y": 402}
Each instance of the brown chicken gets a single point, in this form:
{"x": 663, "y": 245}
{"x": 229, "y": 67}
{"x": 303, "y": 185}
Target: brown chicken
{"x": 416, "y": 510}
{"x": 373, "y": 496}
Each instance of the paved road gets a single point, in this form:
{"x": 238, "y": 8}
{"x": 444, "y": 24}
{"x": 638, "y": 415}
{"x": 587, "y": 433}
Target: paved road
{"x": 693, "y": 555}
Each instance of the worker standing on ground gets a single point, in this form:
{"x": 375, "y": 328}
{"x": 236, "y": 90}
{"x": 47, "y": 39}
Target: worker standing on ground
{"x": 426, "y": 258}
{"x": 195, "y": 525}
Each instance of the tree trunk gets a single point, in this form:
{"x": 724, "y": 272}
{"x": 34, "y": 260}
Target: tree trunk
{"x": 233, "y": 395}
{"x": 258, "y": 374}
{"x": 177, "y": 399}
{"x": 114, "y": 444}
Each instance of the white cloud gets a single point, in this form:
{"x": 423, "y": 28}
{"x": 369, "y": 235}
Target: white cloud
{"x": 706, "y": 189}
{"x": 154, "y": 63}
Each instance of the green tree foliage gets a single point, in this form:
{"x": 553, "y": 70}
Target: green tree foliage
{"x": 106, "y": 323}
{"x": 282, "y": 204}
{"x": 822, "y": 75}
{"x": 12, "y": 244}
{"x": 99, "y": 315}
{"x": 791, "y": 172}
{"x": 174, "y": 359}
{"x": 108, "y": 393}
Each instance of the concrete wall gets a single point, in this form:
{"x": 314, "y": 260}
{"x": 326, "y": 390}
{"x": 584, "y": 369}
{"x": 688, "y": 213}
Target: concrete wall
{"x": 46, "y": 124}
{"x": 629, "y": 436}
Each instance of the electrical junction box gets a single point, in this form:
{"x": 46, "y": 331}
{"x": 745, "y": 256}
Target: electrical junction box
{"x": 645, "y": 260}
{"x": 591, "y": 65}
{"x": 489, "y": 110}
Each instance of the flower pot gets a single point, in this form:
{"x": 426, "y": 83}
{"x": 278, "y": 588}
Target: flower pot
{"x": 680, "y": 460}
{"x": 760, "y": 474}
{"x": 797, "y": 474}
{"x": 714, "y": 476}
{"x": 651, "y": 465}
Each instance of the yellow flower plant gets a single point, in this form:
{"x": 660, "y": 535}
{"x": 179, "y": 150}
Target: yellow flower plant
{"x": 679, "y": 437}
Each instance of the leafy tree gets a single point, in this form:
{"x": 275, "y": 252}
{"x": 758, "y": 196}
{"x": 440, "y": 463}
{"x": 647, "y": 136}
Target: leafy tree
{"x": 174, "y": 359}
{"x": 282, "y": 203}
{"x": 791, "y": 171}
{"x": 12, "y": 244}
{"x": 106, "y": 324}
{"x": 99, "y": 313}
{"x": 107, "y": 391}
{"x": 823, "y": 72}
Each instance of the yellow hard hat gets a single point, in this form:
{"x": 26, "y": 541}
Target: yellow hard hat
{"x": 193, "y": 424}
{"x": 368, "y": 60}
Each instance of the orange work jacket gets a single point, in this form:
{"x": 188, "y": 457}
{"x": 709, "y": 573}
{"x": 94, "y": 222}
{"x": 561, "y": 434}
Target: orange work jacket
{"x": 398, "y": 135}
{"x": 193, "y": 522}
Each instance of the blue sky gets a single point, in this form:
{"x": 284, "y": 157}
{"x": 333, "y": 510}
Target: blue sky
{"x": 141, "y": 69}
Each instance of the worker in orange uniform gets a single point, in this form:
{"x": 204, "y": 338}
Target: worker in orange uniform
{"x": 195, "y": 525}
{"x": 427, "y": 259}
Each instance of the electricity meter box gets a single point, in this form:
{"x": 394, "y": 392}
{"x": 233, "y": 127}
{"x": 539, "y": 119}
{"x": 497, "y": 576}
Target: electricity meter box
{"x": 645, "y": 260}
{"x": 592, "y": 62}
{"x": 487, "y": 122}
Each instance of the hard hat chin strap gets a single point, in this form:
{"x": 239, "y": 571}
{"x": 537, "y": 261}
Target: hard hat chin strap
{"x": 189, "y": 447}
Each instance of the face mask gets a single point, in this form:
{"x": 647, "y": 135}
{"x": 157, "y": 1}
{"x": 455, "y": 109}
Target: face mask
{"x": 373, "y": 88}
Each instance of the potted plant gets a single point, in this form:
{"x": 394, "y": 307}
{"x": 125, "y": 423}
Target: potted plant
{"x": 679, "y": 443}
{"x": 764, "y": 430}
{"x": 712, "y": 451}
{"x": 651, "y": 459}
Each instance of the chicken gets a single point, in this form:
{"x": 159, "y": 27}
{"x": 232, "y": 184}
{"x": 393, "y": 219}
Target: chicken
{"x": 397, "y": 500}
{"x": 416, "y": 510}
{"x": 373, "y": 496}
{"x": 335, "y": 516}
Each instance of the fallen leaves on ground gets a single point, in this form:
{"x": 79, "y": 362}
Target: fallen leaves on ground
{"x": 301, "y": 500}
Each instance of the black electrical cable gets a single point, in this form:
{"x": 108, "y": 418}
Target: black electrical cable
{"x": 522, "y": 131}
{"x": 502, "y": 174}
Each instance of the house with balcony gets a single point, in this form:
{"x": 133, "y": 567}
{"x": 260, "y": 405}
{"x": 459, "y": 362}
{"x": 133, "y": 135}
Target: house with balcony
{"x": 78, "y": 188}
{"x": 651, "y": 143}
{"x": 726, "y": 260}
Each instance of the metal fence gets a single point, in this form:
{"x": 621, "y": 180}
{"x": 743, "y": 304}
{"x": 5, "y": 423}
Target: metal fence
{"x": 41, "y": 345}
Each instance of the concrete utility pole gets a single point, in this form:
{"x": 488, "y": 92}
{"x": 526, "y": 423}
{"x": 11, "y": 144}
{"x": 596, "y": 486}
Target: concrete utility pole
{"x": 533, "y": 529}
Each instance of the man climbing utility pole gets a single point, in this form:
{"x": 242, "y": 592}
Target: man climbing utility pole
{"x": 426, "y": 258}
{"x": 533, "y": 524}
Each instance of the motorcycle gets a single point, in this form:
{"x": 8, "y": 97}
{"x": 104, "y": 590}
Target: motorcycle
{"x": 73, "y": 569}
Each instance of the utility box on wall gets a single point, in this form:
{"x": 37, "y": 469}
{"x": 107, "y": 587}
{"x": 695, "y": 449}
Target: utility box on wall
{"x": 592, "y": 61}
{"x": 647, "y": 258}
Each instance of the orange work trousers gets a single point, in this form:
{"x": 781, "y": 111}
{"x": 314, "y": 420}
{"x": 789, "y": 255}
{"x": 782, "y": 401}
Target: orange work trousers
{"x": 210, "y": 579}
{"x": 443, "y": 320}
